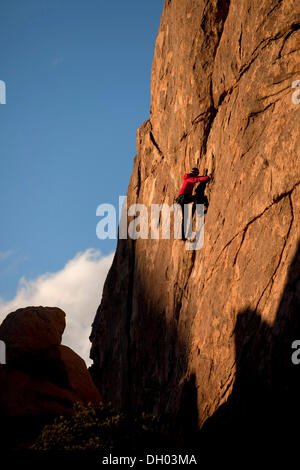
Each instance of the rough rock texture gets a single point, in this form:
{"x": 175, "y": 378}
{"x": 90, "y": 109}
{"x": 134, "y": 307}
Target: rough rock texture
{"x": 28, "y": 330}
{"x": 204, "y": 337}
{"x": 41, "y": 377}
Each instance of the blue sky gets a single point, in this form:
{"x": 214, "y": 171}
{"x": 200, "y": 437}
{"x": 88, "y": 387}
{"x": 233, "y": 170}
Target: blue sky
{"x": 77, "y": 76}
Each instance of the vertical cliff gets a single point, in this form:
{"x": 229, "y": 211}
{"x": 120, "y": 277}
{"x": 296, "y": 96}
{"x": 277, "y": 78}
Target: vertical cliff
{"x": 194, "y": 335}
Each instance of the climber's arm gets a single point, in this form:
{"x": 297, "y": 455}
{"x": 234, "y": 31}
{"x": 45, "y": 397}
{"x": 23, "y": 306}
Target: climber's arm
{"x": 197, "y": 179}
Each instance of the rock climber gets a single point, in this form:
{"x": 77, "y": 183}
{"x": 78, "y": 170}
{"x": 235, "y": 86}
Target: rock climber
{"x": 186, "y": 195}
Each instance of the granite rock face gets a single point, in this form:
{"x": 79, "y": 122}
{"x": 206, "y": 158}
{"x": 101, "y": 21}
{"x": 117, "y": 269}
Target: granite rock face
{"x": 41, "y": 377}
{"x": 203, "y": 338}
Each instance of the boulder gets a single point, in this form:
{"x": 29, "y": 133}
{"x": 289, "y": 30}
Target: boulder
{"x": 31, "y": 329}
{"x": 41, "y": 377}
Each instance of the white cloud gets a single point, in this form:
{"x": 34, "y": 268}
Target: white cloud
{"x": 76, "y": 289}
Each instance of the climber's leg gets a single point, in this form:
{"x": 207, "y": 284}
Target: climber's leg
{"x": 187, "y": 199}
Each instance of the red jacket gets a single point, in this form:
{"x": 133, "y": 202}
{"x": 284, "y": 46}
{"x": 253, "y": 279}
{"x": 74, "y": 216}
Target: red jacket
{"x": 189, "y": 182}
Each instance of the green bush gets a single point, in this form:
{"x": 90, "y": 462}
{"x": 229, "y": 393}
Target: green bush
{"x": 98, "y": 428}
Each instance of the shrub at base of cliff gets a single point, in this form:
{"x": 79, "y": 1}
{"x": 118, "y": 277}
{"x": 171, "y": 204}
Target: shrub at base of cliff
{"x": 98, "y": 429}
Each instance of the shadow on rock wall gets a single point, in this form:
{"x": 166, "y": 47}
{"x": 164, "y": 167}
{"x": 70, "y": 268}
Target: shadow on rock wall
{"x": 264, "y": 398}
{"x": 265, "y": 395}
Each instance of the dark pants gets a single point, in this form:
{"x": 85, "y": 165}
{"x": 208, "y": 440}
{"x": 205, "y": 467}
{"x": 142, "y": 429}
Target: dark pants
{"x": 182, "y": 200}
{"x": 200, "y": 196}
